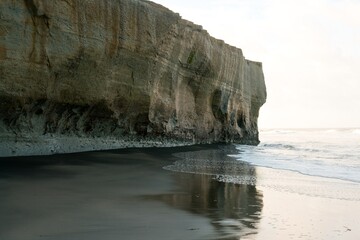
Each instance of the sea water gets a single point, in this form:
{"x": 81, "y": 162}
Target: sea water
{"x": 331, "y": 153}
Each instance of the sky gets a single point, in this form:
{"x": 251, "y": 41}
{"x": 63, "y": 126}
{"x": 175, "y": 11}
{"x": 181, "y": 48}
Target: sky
{"x": 310, "y": 50}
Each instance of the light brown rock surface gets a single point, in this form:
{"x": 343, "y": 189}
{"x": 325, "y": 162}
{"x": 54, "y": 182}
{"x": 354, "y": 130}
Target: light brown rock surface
{"x": 124, "y": 70}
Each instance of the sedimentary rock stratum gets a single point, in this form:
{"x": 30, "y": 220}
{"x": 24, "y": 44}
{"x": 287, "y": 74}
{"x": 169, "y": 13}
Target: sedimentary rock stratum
{"x": 79, "y": 75}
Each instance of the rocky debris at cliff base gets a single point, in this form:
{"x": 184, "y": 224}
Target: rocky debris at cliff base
{"x": 58, "y": 144}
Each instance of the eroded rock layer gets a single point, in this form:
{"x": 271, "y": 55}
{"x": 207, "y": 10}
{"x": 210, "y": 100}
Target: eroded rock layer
{"x": 125, "y": 70}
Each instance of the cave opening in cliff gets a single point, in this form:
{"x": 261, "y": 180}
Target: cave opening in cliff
{"x": 216, "y": 106}
{"x": 241, "y": 121}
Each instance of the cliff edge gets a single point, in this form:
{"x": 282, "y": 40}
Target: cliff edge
{"x": 83, "y": 75}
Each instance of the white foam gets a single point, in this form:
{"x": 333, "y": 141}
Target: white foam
{"x": 308, "y": 152}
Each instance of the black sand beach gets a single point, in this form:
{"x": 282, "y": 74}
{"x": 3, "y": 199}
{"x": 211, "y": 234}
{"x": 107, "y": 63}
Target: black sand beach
{"x": 127, "y": 194}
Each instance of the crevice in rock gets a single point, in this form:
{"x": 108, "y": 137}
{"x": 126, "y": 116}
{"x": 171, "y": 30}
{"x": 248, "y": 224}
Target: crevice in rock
{"x": 141, "y": 124}
{"x": 41, "y": 31}
{"x": 218, "y": 107}
{"x": 34, "y": 12}
{"x": 241, "y": 121}
{"x": 191, "y": 56}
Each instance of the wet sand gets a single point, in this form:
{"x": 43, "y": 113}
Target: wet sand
{"x": 127, "y": 194}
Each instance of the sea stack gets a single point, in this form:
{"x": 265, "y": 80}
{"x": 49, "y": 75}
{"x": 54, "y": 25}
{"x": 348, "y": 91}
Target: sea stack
{"x": 87, "y": 75}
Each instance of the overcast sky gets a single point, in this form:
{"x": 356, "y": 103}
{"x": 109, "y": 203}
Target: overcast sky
{"x": 310, "y": 50}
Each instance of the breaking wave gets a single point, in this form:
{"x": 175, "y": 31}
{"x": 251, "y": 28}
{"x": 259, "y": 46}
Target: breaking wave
{"x": 333, "y": 153}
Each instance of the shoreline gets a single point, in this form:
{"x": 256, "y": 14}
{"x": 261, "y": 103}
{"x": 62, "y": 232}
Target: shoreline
{"x": 128, "y": 194}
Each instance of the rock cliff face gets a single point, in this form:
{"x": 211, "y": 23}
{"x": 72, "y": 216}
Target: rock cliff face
{"x": 119, "y": 72}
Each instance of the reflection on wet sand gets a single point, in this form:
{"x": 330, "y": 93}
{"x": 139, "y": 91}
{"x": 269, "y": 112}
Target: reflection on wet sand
{"x": 234, "y": 209}
{"x": 215, "y": 162}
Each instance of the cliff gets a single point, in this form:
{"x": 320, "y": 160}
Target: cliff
{"x": 79, "y": 75}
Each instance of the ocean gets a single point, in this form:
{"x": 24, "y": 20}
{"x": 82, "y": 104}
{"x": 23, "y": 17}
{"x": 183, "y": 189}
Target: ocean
{"x": 330, "y": 153}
